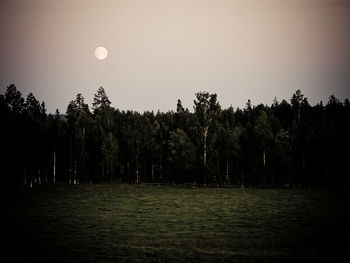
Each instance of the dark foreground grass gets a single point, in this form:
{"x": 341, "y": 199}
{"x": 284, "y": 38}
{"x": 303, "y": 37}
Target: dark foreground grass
{"x": 122, "y": 223}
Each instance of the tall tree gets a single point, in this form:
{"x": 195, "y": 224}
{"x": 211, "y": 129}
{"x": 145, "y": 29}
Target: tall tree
{"x": 14, "y": 99}
{"x": 32, "y": 105}
{"x": 297, "y": 101}
{"x": 179, "y": 107}
{"x": 103, "y": 115}
{"x": 35, "y": 118}
{"x": 101, "y": 100}
{"x": 79, "y": 118}
{"x": 102, "y": 110}
{"x": 206, "y": 109}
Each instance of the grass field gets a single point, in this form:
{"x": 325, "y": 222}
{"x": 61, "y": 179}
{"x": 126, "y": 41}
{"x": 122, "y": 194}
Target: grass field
{"x": 122, "y": 223}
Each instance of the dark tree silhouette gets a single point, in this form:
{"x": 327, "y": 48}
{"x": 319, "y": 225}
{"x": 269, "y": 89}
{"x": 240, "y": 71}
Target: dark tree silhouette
{"x": 284, "y": 145}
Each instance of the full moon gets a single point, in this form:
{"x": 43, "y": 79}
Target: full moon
{"x": 101, "y": 53}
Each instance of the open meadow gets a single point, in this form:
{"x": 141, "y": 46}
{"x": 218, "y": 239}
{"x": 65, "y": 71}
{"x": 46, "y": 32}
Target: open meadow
{"x": 146, "y": 223}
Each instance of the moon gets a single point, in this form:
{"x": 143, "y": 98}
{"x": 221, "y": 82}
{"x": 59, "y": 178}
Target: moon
{"x": 101, "y": 53}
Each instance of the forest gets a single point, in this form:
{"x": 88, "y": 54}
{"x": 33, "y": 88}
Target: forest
{"x": 288, "y": 144}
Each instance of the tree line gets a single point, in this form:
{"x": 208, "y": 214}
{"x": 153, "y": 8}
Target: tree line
{"x": 283, "y": 145}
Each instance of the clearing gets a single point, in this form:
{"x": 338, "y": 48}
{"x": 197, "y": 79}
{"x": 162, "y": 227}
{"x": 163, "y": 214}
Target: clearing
{"x": 146, "y": 223}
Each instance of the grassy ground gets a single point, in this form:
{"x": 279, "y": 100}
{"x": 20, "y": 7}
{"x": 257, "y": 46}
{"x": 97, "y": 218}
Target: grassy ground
{"x": 122, "y": 223}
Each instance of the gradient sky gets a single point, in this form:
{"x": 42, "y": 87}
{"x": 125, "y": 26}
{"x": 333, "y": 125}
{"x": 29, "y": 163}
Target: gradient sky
{"x": 162, "y": 50}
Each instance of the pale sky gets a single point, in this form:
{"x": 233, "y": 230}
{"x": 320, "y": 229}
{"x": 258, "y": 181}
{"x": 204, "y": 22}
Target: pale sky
{"x": 161, "y": 50}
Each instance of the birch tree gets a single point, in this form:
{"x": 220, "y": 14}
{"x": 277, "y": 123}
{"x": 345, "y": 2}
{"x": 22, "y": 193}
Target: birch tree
{"x": 206, "y": 109}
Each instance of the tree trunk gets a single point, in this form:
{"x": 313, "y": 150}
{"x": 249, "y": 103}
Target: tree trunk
{"x": 137, "y": 168}
{"x": 39, "y": 176}
{"x": 205, "y": 134}
{"x": 227, "y": 171}
{"x": 107, "y": 174}
{"x": 152, "y": 172}
{"x": 54, "y": 168}
{"x": 242, "y": 180}
{"x": 75, "y": 172}
{"x": 128, "y": 165}
{"x": 70, "y": 175}
{"x": 122, "y": 172}
{"x": 112, "y": 173}
{"x": 264, "y": 159}
{"x": 264, "y": 163}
